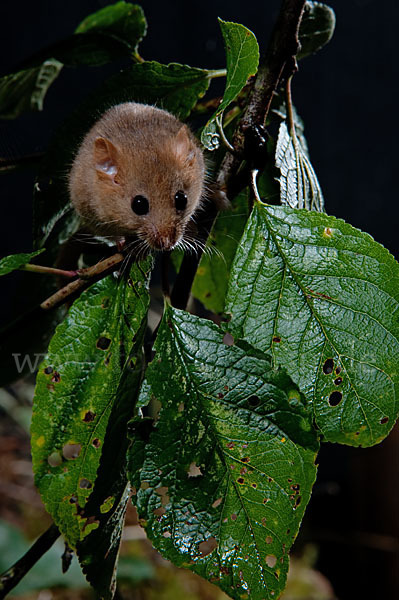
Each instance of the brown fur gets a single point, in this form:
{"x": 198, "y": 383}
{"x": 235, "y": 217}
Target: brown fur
{"x": 135, "y": 149}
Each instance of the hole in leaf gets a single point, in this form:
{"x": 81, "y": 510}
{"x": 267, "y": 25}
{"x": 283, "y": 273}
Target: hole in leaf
{"x": 271, "y": 560}
{"x": 338, "y": 381}
{"x": 246, "y": 459}
{"x": 335, "y": 398}
{"x": 217, "y": 502}
{"x": 253, "y": 401}
{"x": 85, "y": 484}
{"x": 158, "y": 512}
{"x": 48, "y": 370}
{"x": 276, "y": 339}
{"x": 338, "y": 370}
{"x": 194, "y": 470}
{"x": 207, "y": 546}
{"x": 71, "y": 451}
{"x": 73, "y": 500}
{"x": 266, "y": 500}
{"x": 103, "y": 343}
{"x": 89, "y": 416}
{"x": 56, "y": 378}
{"x": 96, "y": 443}
{"x": 254, "y": 486}
{"x": 328, "y": 366}
{"x": 384, "y": 420}
{"x": 55, "y": 459}
{"x": 240, "y": 480}
{"x": 228, "y": 339}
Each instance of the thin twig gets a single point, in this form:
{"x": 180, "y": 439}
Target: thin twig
{"x": 86, "y": 277}
{"x": 47, "y": 270}
{"x": 10, "y": 578}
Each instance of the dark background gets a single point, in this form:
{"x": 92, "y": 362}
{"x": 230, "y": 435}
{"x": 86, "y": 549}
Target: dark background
{"x": 346, "y": 95}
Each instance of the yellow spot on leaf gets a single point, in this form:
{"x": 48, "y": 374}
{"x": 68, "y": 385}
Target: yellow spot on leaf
{"x": 40, "y": 441}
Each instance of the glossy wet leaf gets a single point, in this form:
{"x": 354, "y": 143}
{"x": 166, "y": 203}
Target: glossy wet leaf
{"x": 316, "y": 28}
{"x": 322, "y": 297}
{"x": 299, "y": 186}
{"x": 223, "y": 481}
{"x": 210, "y": 283}
{"x": 15, "y": 261}
{"x": 242, "y": 59}
{"x": 174, "y": 87}
{"x": 84, "y": 396}
{"x": 26, "y": 89}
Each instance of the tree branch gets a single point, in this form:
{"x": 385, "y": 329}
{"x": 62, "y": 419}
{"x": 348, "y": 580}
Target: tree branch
{"x": 10, "y": 578}
{"x": 86, "y": 277}
{"x": 281, "y": 52}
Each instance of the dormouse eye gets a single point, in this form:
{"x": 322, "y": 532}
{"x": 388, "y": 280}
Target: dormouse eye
{"x": 140, "y": 205}
{"x": 180, "y": 200}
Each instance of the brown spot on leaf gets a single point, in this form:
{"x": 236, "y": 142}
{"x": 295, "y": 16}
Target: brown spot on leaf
{"x": 269, "y": 539}
{"x": 167, "y": 534}
{"x": 207, "y": 546}
{"x": 276, "y": 339}
{"x": 56, "y": 378}
{"x": 338, "y": 381}
{"x": 48, "y": 370}
{"x": 384, "y": 420}
{"x": 246, "y": 459}
{"x": 240, "y": 480}
{"x": 230, "y": 444}
{"x": 89, "y": 416}
{"x": 234, "y": 517}
{"x": 96, "y": 443}
{"x": 220, "y": 395}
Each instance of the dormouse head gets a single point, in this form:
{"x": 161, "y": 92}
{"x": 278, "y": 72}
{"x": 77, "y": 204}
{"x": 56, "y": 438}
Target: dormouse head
{"x": 149, "y": 185}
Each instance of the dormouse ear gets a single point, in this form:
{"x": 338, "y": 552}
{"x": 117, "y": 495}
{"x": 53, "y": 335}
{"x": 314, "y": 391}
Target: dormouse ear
{"x": 183, "y": 146}
{"x": 106, "y": 158}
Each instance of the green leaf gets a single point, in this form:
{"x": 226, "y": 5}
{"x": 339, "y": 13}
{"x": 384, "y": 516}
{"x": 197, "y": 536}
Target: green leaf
{"x": 16, "y": 261}
{"x": 322, "y": 297}
{"x": 316, "y": 28}
{"x": 299, "y": 186}
{"x": 122, "y": 19}
{"x": 229, "y": 465}
{"x": 242, "y": 59}
{"x": 210, "y": 283}
{"x": 25, "y": 90}
{"x": 83, "y": 384}
{"x": 174, "y": 87}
